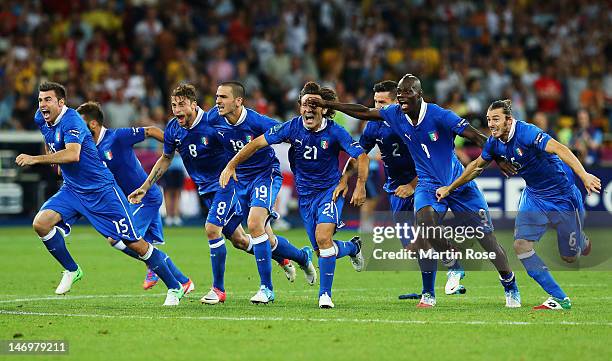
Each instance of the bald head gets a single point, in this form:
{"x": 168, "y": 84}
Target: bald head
{"x": 411, "y": 81}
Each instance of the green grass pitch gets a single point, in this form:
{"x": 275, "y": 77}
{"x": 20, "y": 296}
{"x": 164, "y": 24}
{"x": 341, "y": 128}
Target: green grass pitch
{"x": 108, "y": 316}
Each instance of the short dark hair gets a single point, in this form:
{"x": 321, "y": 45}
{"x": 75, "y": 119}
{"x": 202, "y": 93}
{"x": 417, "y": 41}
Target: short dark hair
{"x": 387, "y": 86}
{"x": 185, "y": 91}
{"x": 238, "y": 90}
{"x": 505, "y": 105}
{"x": 92, "y": 111}
{"x": 324, "y": 92}
{"x": 58, "y": 89}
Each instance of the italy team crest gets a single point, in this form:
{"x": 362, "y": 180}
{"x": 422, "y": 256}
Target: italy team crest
{"x": 249, "y": 138}
{"x": 57, "y": 136}
{"x": 519, "y": 152}
{"x": 324, "y": 144}
{"x": 108, "y": 155}
{"x": 433, "y": 135}
{"x": 204, "y": 140}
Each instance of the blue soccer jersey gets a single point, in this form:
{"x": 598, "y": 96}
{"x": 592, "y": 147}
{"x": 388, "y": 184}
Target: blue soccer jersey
{"x": 313, "y": 155}
{"x": 543, "y": 172}
{"x": 431, "y": 142}
{"x": 399, "y": 166}
{"x": 234, "y": 137}
{"x": 89, "y": 173}
{"x": 115, "y": 149}
{"x": 200, "y": 149}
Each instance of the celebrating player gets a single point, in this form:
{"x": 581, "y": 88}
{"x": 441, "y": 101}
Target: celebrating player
{"x": 315, "y": 144}
{"x": 549, "y": 198}
{"x": 429, "y": 132}
{"x": 259, "y": 180}
{"x": 89, "y": 190}
{"x": 204, "y": 157}
{"x": 115, "y": 148}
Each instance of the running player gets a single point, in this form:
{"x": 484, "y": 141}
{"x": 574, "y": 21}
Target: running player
{"x": 550, "y": 197}
{"x": 315, "y": 142}
{"x": 89, "y": 190}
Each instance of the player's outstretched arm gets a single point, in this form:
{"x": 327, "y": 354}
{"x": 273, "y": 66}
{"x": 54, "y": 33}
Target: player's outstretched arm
{"x": 240, "y": 157}
{"x": 480, "y": 139}
{"x": 363, "y": 167}
{"x": 160, "y": 167}
{"x": 473, "y": 170}
{"x": 591, "y": 182}
{"x": 71, "y": 154}
{"x": 155, "y": 133}
{"x": 354, "y": 110}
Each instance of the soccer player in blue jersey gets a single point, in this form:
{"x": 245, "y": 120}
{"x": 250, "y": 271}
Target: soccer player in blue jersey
{"x": 115, "y": 148}
{"x": 315, "y": 142}
{"x": 259, "y": 180}
{"x": 429, "y": 132}
{"x": 204, "y": 157}
{"x": 89, "y": 190}
{"x": 550, "y": 197}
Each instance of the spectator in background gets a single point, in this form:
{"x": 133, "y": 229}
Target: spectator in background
{"x": 548, "y": 91}
{"x": 121, "y": 111}
{"x": 586, "y": 140}
{"x": 540, "y": 120}
{"x": 172, "y": 183}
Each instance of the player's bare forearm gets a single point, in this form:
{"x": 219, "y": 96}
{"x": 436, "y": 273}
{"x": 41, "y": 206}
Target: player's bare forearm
{"x": 349, "y": 168}
{"x": 155, "y": 133}
{"x": 354, "y": 110}
{"x": 248, "y": 151}
{"x": 160, "y": 167}
{"x": 363, "y": 168}
{"x": 566, "y": 155}
{"x": 473, "y": 170}
{"x": 474, "y": 135}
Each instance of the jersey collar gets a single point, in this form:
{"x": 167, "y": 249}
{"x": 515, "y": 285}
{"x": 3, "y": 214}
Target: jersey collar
{"x": 321, "y": 127}
{"x": 421, "y": 114}
{"x": 512, "y": 130}
{"x": 102, "y": 133}
{"x": 59, "y": 117}
{"x": 198, "y": 118}
{"x": 241, "y": 118}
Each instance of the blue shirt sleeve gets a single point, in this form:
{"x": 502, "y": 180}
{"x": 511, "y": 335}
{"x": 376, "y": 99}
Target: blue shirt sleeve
{"x": 533, "y": 136}
{"x": 265, "y": 123}
{"x": 279, "y": 133}
{"x": 388, "y": 112}
{"x": 169, "y": 146}
{"x": 452, "y": 121}
{"x": 73, "y": 131}
{"x": 130, "y": 136}
{"x": 488, "y": 150}
{"x": 348, "y": 144}
{"x": 368, "y": 138}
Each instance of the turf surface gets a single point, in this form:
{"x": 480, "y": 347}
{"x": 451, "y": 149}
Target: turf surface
{"x": 108, "y": 316}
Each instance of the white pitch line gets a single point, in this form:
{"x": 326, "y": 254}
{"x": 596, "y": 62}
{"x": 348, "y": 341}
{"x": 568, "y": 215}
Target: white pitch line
{"x": 323, "y": 320}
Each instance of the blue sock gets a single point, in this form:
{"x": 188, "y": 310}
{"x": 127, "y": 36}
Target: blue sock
{"x": 284, "y": 249}
{"x": 156, "y": 260}
{"x": 263, "y": 257}
{"x": 539, "y": 272}
{"x": 280, "y": 260}
{"x": 345, "y": 248}
{"x": 218, "y": 253}
{"x": 327, "y": 266}
{"x": 175, "y": 271}
{"x": 452, "y": 264}
{"x": 54, "y": 241}
{"x": 428, "y": 274}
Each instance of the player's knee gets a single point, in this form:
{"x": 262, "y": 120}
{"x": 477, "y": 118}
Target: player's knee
{"x": 522, "y": 246}
{"x": 569, "y": 259}
{"x": 256, "y": 225}
{"x": 240, "y": 242}
{"x": 42, "y": 225}
{"x": 212, "y": 231}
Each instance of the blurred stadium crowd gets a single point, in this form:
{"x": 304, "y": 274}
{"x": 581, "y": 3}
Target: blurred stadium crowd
{"x": 552, "y": 58}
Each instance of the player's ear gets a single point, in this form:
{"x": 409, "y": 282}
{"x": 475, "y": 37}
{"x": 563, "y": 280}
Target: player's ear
{"x": 61, "y": 102}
